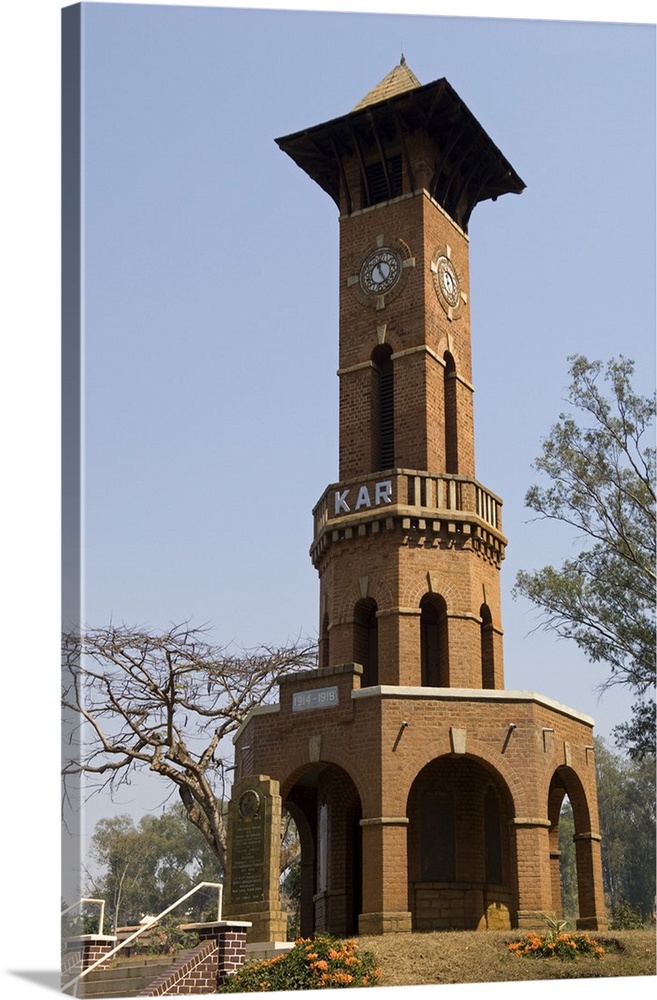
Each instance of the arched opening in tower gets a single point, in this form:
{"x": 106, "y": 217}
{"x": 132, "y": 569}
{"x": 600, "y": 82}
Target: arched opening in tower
{"x": 326, "y": 808}
{"x": 434, "y": 642}
{"x": 451, "y": 421}
{"x": 571, "y": 853}
{"x": 383, "y": 417}
{"x": 460, "y": 867}
{"x": 487, "y": 648}
{"x": 366, "y": 641}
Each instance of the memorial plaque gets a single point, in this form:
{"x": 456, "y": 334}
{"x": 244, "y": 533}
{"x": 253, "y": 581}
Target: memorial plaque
{"x": 248, "y": 855}
{"x": 303, "y": 701}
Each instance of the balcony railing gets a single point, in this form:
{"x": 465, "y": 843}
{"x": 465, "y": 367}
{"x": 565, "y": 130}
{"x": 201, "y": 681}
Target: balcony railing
{"x": 431, "y": 493}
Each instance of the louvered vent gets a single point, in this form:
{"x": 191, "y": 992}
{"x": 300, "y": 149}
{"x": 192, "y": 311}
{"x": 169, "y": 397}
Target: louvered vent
{"x": 377, "y": 183}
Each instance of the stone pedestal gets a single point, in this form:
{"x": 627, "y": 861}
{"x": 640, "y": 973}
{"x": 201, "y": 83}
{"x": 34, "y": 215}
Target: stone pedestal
{"x": 254, "y": 854}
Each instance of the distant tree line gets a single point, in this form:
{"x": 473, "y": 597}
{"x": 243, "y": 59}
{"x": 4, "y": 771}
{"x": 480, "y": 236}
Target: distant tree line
{"x": 626, "y": 799}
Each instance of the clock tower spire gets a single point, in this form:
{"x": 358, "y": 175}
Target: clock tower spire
{"x": 426, "y": 796}
{"x": 407, "y": 543}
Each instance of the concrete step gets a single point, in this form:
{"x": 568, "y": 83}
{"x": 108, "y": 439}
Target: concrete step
{"x": 125, "y": 978}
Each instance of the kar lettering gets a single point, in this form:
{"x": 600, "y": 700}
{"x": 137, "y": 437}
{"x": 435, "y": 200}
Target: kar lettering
{"x": 382, "y": 495}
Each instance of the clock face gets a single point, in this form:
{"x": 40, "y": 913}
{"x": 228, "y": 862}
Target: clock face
{"x": 380, "y": 271}
{"x": 448, "y": 282}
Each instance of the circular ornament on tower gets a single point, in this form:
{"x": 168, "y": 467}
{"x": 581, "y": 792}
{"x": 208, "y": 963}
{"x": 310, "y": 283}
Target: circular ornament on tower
{"x": 380, "y": 271}
{"x": 446, "y": 282}
{"x": 382, "y": 274}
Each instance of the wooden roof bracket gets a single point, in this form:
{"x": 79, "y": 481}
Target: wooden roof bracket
{"x": 361, "y": 161}
{"x": 404, "y": 149}
{"x": 343, "y": 176}
{"x": 441, "y": 165}
{"x": 382, "y": 154}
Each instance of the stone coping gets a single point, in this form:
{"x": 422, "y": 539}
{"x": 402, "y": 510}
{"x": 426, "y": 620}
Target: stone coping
{"x": 216, "y": 924}
{"x": 86, "y": 938}
{"x": 470, "y": 694}
{"x": 443, "y": 694}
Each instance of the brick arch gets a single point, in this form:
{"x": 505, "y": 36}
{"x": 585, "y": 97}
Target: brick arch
{"x": 417, "y": 587}
{"x": 346, "y": 762}
{"x": 392, "y": 338}
{"x": 379, "y": 589}
{"x": 455, "y": 840}
{"x": 565, "y": 781}
{"x": 503, "y": 777}
{"x": 328, "y": 809}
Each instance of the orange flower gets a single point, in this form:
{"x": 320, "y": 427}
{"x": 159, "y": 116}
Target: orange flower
{"x": 342, "y": 977}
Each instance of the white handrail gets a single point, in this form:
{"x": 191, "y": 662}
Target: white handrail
{"x": 110, "y": 954}
{"x": 86, "y": 899}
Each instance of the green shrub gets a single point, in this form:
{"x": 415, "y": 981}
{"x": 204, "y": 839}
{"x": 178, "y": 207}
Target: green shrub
{"x": 556, "y": 945}
{"x": 165, "y": 938}
{"x": 625, "y": 917}
{"x": 312, "y": 964}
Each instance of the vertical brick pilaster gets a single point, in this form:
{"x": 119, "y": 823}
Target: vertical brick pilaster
{"x": 533, "y": 868}
{"x": 385, "y": 876}
{"x": 589, "y": 882}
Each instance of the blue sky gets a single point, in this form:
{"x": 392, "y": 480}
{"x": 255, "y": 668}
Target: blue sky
{"x": 210, "y": 326}
{"x": 211, "y": 269}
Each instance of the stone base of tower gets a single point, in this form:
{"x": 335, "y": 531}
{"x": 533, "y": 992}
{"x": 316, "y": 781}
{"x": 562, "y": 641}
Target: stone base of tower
{"x": 417, "y": 808}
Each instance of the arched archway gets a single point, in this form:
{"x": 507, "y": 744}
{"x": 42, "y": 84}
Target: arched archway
{"x": 487, "y": 648}
{"x": 326, "y": 807}
{"x": 450, "y": 415}
{"x": 383, "y": 409}
{"x": 460, "y": 865}
{"x": 566, "y": 783}
{"x": 366, "y": 640}
{"x": 434, "y": 641}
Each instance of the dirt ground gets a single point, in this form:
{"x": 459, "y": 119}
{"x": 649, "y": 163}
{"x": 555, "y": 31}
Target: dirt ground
{"x": 482, "y": 957}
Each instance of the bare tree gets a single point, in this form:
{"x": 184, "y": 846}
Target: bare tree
{"x": 168, "y": 704}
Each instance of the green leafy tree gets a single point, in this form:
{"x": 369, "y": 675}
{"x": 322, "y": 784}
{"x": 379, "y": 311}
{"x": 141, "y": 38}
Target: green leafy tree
{"x": 144, "y": 868}
{"x": 601, "y": 474}
{"x": 568, "y": 863}
{"x": 626, "y": 800}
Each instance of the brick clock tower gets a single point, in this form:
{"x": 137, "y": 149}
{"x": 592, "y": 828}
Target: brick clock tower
{"x": 426, "y": 796}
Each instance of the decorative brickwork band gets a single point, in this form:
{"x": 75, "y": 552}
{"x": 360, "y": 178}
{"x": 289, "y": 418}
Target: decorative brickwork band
{"x": 588, "y": 836}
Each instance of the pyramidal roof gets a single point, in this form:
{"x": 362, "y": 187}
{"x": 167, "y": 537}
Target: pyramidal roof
{"x": 399, "y": 80}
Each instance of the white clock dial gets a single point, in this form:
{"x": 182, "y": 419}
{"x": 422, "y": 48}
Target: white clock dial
{"x": 448, "y": 281}
{"x": 380, "y": 271}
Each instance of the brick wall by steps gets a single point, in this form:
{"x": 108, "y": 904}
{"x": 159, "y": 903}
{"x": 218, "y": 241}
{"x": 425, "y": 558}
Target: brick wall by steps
{"x": 220, "y": 953}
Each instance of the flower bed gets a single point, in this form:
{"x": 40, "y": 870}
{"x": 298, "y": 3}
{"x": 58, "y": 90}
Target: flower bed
{"x": 313, "y": 964}
{"x": 561, "y": 945}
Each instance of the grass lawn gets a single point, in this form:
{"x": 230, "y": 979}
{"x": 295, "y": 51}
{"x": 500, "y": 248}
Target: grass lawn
{"x": 483, "y": 957}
